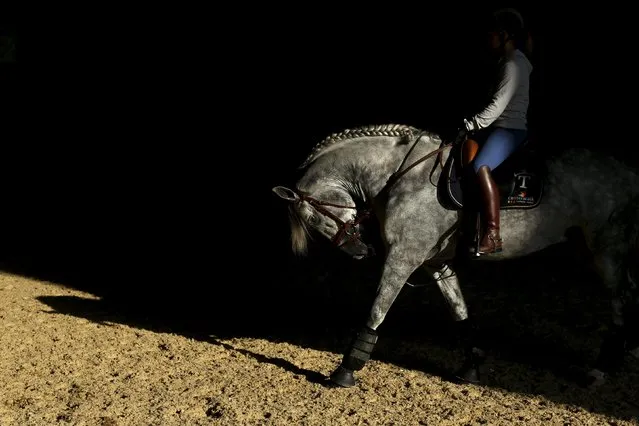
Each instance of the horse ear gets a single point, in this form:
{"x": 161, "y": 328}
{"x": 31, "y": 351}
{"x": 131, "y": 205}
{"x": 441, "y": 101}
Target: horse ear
{"x": 286, "y": 193}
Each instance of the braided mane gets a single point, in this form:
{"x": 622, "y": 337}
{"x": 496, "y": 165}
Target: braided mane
{"x": 371, "y": 130}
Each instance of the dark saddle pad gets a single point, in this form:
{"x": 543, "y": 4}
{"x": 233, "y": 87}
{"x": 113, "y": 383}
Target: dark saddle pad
{"x": 520, "y": 179}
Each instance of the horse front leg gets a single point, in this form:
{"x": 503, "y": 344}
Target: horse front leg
{"x": 400, "y": 263}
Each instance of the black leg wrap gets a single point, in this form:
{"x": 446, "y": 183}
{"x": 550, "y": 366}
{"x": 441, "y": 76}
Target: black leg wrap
{"x": 469, "y": 371}
{"x": 360, "y": 349}
{"x": 473, "y": 356}
{"x": 355, "y": 358}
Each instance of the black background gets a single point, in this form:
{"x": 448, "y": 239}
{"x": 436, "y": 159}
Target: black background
{"x": 135, "y": 136}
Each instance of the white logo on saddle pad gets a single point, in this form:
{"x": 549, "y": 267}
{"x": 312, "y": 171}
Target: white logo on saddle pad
{"x": 520, "y": 194}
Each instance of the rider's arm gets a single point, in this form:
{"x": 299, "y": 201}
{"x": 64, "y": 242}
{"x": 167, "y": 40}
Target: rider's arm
{"x": 509, "y": 79}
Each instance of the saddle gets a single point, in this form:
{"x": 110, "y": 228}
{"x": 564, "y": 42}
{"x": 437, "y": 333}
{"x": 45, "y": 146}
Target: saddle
{"x": 520, "y": 179}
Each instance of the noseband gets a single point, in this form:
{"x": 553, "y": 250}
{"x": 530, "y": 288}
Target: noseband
{"x": 347, "y": 231}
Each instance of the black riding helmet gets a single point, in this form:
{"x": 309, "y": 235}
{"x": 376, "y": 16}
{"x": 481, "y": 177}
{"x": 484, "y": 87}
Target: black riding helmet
{"x": 508, "y": 21}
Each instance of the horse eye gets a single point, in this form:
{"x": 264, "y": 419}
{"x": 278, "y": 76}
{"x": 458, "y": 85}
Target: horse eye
{"x": 313, "y": 220}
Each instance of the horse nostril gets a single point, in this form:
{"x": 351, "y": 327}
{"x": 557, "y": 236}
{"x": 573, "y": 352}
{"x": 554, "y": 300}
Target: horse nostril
{"x": 371, "y": 251}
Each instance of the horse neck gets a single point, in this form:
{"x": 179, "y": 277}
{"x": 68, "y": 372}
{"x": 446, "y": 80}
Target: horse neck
{"x": 374, "y": 171}
{"x": 362, "y": 169}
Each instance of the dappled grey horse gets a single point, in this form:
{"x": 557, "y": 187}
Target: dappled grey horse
{"x": 415, "y": 186}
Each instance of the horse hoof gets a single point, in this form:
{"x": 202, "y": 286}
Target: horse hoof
{"x": 343, "y": 377}
{"x": 468, "y": 375}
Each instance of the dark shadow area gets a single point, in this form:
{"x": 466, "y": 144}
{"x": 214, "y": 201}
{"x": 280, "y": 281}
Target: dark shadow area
{"x": 141, "y": 172}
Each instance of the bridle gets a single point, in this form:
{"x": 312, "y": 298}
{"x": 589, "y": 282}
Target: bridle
{"x": 349, "y": 230}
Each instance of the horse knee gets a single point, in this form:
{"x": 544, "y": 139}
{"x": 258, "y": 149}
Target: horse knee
{"x": 450, "y": 289}
{"x": 375, "y": 319}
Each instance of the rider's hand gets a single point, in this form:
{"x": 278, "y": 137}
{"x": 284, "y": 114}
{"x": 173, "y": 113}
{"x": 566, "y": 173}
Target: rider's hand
{"x": 456, "y": 134}
{"x": 462, "y": 133}
{"x": 465, "y": 129}
{"x": 470, "y": 124}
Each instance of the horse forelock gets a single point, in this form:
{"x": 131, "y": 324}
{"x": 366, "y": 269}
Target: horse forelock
{"x": 388, "y": 130}
{"x": 299, "y": 230}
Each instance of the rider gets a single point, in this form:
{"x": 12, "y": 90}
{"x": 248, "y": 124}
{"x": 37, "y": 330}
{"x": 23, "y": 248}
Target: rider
{"x": 504, "y": 119}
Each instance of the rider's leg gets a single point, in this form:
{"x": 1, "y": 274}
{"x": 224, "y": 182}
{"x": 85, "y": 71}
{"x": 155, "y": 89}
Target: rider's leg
{"x": 499, "y": 145}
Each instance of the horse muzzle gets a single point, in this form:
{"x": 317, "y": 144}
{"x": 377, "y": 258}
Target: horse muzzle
{"x": 370, "y": 253}
{"x": 359, "y": 250}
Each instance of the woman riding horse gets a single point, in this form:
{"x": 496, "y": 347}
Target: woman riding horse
{"x": 502, "y": 124}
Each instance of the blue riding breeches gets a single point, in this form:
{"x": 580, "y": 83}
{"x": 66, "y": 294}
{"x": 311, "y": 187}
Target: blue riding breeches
{"x": 498, "y": 146}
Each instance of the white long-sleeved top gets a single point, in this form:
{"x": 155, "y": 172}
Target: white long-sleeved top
{"x": 509, "y": 105}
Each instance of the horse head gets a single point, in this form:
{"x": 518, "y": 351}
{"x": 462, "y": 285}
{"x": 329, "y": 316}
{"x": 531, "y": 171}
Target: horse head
{"x": 331, "y": 213}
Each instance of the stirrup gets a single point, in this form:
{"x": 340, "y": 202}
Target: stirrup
{"x": 486, "y": 253}
{"x": 497, "y": 247}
